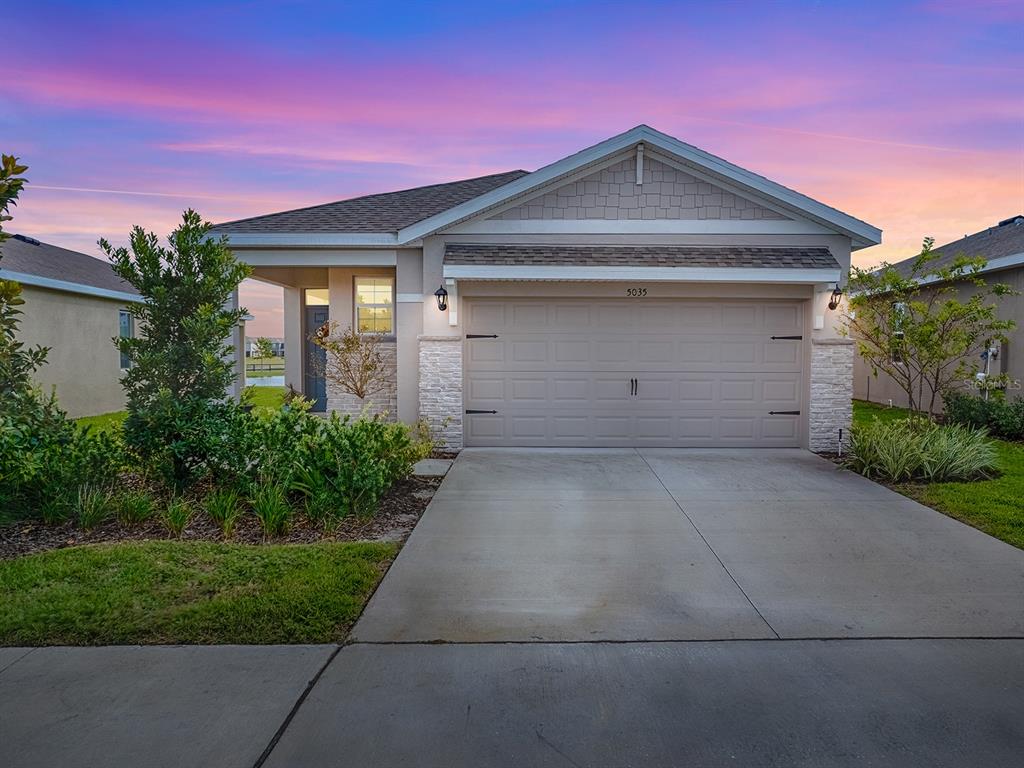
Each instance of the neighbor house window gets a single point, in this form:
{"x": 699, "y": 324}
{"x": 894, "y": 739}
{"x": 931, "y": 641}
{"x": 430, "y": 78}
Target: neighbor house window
{"x": 126, "y": 330}
{"x": 374, "y": 305}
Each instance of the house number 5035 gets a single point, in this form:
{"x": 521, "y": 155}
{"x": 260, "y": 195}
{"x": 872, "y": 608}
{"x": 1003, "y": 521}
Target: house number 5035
{"x": 636, "y": 291}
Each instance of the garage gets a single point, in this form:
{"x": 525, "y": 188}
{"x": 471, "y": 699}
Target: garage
{"x": 634, "y": 372}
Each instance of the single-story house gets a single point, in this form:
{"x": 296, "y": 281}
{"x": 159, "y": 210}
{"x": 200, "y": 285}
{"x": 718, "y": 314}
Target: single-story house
{"x": 75, "y": 305}
{"x": 1002, "y": 246}
{"x": 640, "y": 292}
{"x": 276, "y": 344}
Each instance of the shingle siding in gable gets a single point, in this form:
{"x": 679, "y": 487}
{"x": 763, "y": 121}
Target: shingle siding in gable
{"x": 612, "y": 193}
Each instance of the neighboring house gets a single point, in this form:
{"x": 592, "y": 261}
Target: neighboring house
{"x": 1003, "y": 248}
{"x": 640, "y": 292}
{"x": 275, "y": 343}
{"x": 75, "y": 305}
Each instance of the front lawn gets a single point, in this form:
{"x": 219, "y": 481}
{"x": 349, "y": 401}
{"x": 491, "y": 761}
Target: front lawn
{"x": 994, "y": 506}
{"x": 104, "y": 422}
{"x": 188, "y": 592}
{"x": 265, "y": 397}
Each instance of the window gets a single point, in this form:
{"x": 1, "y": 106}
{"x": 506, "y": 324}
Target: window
{"x": 317, "y": 297}
{"x": 374, "y": 305}
{"x": 126, "y": 330}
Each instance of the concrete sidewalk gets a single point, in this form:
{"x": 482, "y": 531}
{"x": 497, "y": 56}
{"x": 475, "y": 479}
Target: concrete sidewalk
{"x": 812, "y": 703}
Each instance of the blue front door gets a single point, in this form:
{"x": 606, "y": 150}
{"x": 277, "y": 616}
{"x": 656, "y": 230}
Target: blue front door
{"x": 314, "y": 384}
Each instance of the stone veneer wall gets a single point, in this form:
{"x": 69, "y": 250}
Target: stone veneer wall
{"x": 613, "y": 193}
{"x": 440, "y": 388}
{"x": 831, "y": 406}
{"x": 383, "y": 402}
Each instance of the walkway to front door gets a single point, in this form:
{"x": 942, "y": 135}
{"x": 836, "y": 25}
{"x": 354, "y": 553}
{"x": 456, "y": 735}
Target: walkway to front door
{"x": 685, "y": 544}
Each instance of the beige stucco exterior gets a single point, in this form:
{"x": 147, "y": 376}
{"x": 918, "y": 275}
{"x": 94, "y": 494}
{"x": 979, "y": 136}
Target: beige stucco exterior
{"x": 883, "y": 389}
{"x": 601, "y": 204}
{"x": 83, "y": 364}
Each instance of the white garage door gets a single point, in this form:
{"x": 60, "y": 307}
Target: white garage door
{"x": 633, "y": 372}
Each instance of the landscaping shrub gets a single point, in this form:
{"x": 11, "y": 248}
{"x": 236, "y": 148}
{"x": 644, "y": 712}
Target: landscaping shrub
{"x": 269, "y": 502}
{"x": 917, "y": 449}
{"x": 135, "y": 507}
{"x": 177, "y": 516}
{"x": 353, "y": 463}
{"x": 94, "y": 506}
{"x": 1000, "y": 416}
{"x": 224, "y": 506}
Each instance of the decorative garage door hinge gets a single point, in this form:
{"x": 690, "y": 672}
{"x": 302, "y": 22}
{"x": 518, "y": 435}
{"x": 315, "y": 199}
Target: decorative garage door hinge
{"x": 481, "y": 335}
{"x": 471, "y": 410}
{"x": 783, "y": 413}
{"x": 791, "y": 338}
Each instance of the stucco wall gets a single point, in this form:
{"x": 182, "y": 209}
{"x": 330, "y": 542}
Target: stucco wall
{"x": 83, "y": 364}
{"x": 612, "y": 193}
{"x": 883, "y": 389}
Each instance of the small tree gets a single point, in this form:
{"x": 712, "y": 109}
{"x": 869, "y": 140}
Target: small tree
{"x": 181, "y": 362}
{"x": 354, "y": 363}
{"x": 913, "y": 327}
{"x": 264, "y": 348}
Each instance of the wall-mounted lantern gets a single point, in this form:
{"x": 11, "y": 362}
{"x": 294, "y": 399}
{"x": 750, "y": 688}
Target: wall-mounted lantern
{"x": 837, "y": 294}
{"x": 442, "y": 298}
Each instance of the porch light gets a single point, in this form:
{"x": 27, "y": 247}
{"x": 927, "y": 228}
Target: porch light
{"x": 442, "y": 298}
{"x": 837, "y": 293}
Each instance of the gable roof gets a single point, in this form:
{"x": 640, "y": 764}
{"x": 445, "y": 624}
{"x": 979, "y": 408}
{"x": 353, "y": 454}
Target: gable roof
{"x": 385, "y": 212}
{"x": 1001, "y": 246}
{"x": 398, "y": 218}
{"x": 32, "y": 262}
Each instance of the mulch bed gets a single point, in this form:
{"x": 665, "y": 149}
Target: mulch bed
{"x": 394, "y": 520}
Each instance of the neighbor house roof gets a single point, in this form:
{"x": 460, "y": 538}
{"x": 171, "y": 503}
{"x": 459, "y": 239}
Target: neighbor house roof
{"x": 1002, "y": 246}
{"x": 32, "y": 262}
{"x": 640, "y": 256}
{"x": 398, "y": 218}
{"x": 386, "y": 212}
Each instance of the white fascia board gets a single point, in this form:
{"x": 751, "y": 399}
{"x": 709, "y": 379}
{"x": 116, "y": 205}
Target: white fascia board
{"x": 313, "y": 257}
{"x": 309, "y": 239}
{"x": 641, "y": 274}
{"x": 639, "y": 227}
{"x": 70, "y": 287}
{"x": 861, "y": 232}
{"x": 993, "y": 265}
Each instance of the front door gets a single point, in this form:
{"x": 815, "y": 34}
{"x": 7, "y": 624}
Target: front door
{"x": 314, "y": 384}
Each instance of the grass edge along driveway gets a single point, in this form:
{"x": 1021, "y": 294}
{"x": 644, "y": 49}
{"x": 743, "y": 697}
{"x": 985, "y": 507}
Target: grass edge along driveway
{"x": 171, "y": 592}
{"x": 994, "y": 506}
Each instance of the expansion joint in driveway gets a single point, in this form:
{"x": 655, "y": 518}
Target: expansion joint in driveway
{"x": 707, "y": 543}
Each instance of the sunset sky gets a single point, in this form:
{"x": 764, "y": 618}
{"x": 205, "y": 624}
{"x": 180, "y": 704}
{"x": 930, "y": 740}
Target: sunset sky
{"x": 907, "y": 115}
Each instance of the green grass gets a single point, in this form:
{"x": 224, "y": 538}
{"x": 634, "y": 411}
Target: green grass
{"x": 104, "y": 421}
{"x": 188, "y": 592}
{"x": 265, "y": 397}
{"x": 993, "y": 506}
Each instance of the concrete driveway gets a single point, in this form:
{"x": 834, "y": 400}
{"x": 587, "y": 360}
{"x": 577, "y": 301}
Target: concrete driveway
{"x": 661, "y": 544}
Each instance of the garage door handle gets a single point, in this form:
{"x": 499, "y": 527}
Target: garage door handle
{"x": 788, "y": 338}
{"x": 783, "y": 413}
{"x": 470, "y": 410}
{"x": 481, "y": 335}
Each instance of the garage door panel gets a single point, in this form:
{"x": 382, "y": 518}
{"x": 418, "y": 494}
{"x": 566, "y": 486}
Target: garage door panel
{"x": 561, "y": 372}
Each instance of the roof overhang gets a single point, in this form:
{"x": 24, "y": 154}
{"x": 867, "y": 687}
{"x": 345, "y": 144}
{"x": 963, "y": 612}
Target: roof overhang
{"x": 70, "y": 287}
{"x": 641, "y": 274}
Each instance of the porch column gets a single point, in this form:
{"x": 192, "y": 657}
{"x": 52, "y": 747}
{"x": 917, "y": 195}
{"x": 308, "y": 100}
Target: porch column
{"x": 294, "y": 342}
{"x": 408, "y": 327}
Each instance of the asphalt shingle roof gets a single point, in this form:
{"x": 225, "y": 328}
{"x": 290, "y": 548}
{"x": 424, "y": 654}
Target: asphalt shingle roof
{"x": 386, "y": 212}
{"x": 639, "y": 256}
{"x": 1004, "y": 239}
{"x": 31, "y": 257}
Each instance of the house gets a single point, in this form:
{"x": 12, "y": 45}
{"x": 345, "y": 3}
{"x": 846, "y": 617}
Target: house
{"x": 1002, "y": 246}
{"x": 75, "y": 305}
{"x": 276, "y": 344}
{"x": 640, "y": 292}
